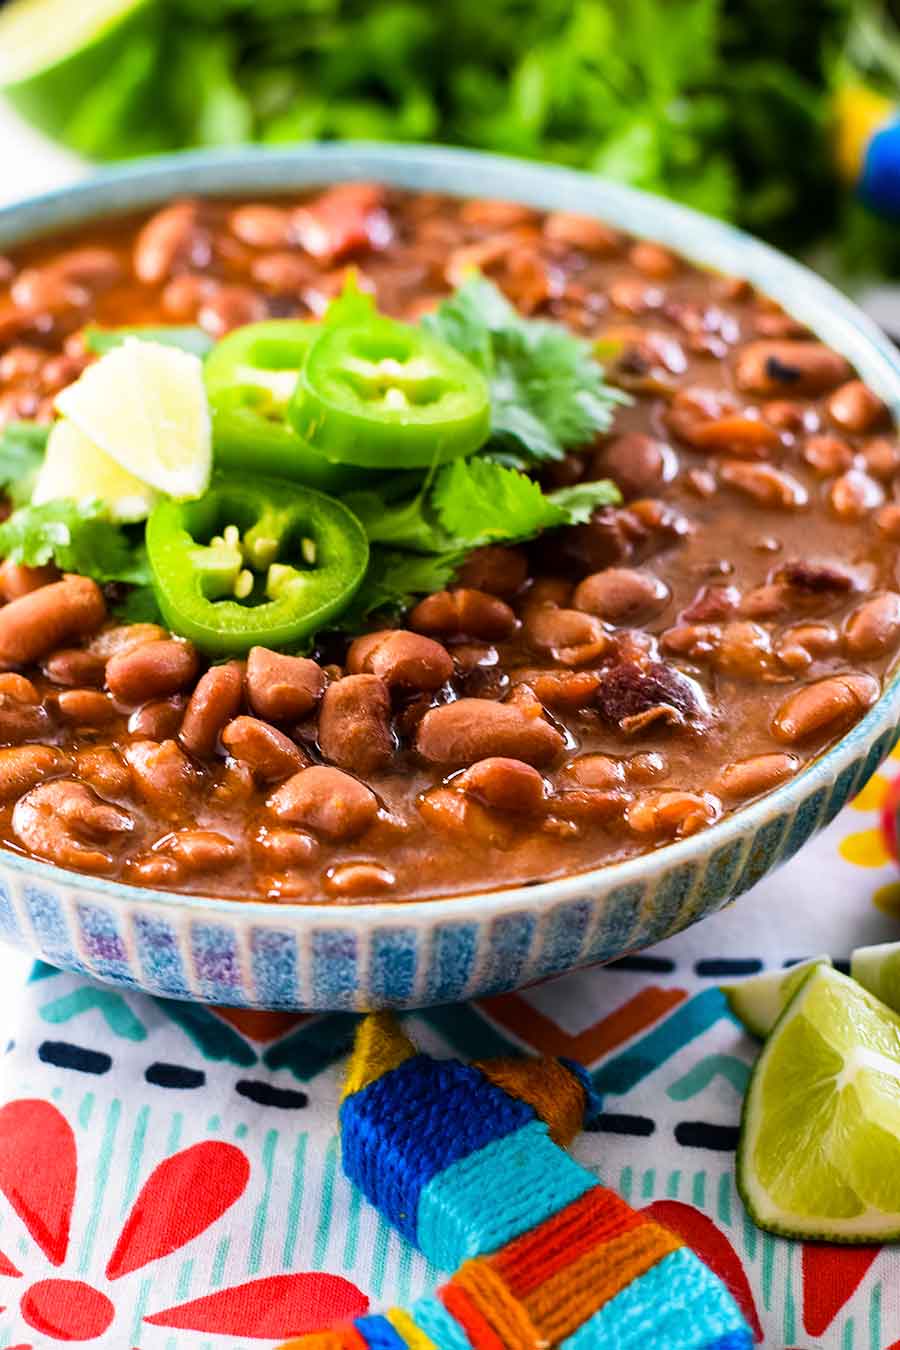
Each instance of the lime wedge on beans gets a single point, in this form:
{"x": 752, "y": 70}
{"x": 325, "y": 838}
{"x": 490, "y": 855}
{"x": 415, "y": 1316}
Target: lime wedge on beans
{"x": 74, "y": 466}
{"x": 819, "y": 1153}
{"x": 52, "y": 53}
{"x": 878, "y": 970}
{"x": 144, "y": 405}
{"x": 759, "y": 1001}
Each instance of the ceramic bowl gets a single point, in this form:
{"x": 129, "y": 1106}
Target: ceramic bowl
{"x": 322, "y": 957}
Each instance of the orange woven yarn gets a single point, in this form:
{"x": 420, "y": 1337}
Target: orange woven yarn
{"x": 472, "y": 1320}
{"x": 553, "y": 1091}
{"x": 594, "y": 1218}
{"x": 491, "y": 1297}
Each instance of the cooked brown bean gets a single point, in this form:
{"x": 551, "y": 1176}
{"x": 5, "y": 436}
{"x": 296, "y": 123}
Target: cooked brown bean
{"x": 39, "y": 290}
{"x": 638, "y": 464}
{"x": 744, "y": 650}
{"x": 283, "y": 273}
{"x": 86, "y": 708}
{"x": 854, "y": 495}
{"x": 595, "y": 771}
{"x": 570, "y": 636}
{"x": 152, "y": 670}
{"x": 24, "y": 766}
{"x": 653, "y": 260}
{"x": 230, "y": 307}
{"x": 473, "y": 728}
{"x": 184, "y": 294}
{"x": 881, "y": 458}
{"x": 357, "y": 879}
{"x": 286, "y": 848}
{"x": 772, "y": 368}
{"x": 874, "y": 627}
{"x": 465, "y": 821}
{"x": 158, "y": 720}
{"x": 621, "y": 593}
{"x": 355, "y": 724}
{"x": 164, "y": 241}
{"x": 283, "y": 688}
{"x": 495, "y": 569}
{"x": 803, "y": 643}
{"x": 672, "y": 813}
{"x": 582, "y": 232}
{"x": 697, "y": 641}
{"x": 855, "y": 407}
{"x": 765, "y": 484}
{"x": 261, "y": 225}
{"x": 327, "y": 801}
{"x": 823, "y": 706}
{"x": 122, "y": 637}
{"x": 96, "y": 268}
{"x": 463, "y": 612}
{"x": 48, "y": 618}
{"x": 215, "y": 701}
{"x": 828, "y": 455}
{"x": 506, "y": 785}
{"x": 66, "y": 823}
{"x": 202, "y": 850}
{"x": 888, "y": 520}
{"x": 17, "y": 580}
{"x": 162, "y": 774}
{"x": 568, "y": 690}
{"x": 103, "y": 769}
{"x": 749, "y": 777}
{"x": 404, "y": 660}
{"x": 270, "y": 754}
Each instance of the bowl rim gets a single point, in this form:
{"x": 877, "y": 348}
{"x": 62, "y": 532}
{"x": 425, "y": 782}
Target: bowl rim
{"x": 461, "y": 172}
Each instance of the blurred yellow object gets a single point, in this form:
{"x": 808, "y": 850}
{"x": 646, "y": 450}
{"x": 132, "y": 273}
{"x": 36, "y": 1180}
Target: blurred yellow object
{"x": 858, "y": 114}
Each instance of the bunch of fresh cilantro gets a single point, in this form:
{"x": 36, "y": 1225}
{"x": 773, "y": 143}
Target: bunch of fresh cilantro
{"x": 548, "y": 396}
{"x": 720, "y": 103}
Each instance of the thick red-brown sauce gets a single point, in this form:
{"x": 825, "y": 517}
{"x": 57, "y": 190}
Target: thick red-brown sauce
{"x": 711, "y": 511}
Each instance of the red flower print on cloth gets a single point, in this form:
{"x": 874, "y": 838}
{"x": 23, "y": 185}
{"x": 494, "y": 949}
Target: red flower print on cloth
{"x": 182, "y": 1198}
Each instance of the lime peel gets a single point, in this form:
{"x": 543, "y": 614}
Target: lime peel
{"x": 819, "y": 1152}
{"x": 144, "y": 404}
{"x": 758, "y": 1002}
{"x": 877, "y": 969}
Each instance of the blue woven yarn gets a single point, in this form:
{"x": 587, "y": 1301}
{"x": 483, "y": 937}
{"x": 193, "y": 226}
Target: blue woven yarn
{"x": 378, "y": 1333}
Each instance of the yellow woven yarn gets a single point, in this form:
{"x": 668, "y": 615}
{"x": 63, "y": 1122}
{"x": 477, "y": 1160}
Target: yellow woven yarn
{"x": 380, "y": 1046}
{"x": 545, "y": 1084}
{"x": 407, "y": 1330}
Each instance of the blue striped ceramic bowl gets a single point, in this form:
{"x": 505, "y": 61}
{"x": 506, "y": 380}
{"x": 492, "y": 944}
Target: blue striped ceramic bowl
{"x": 319, "y": 957}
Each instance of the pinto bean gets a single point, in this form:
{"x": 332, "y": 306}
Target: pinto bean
{"x": 355, "y": 724}
{"x": 162, "y": 774}
{"x": 653, "y": 260}
{"x": 571, "y": 636}
{"x": 40, "y": 290}
{"x": 86, "y": 708}
{"x": 638, "y": 464}
{"x": 465, "y": 820}
{"x": 214, "y": 702}
{"x": 68, "y": 824}
{"x": 17, "y": 580}
{"x": 874, "y": 627}
{"x": 672, "y": 813}
{"x": 164, "y": 241}
{"x": 261, "y": 225}
{"x": 621, "y": 593}
{"x": 494, "y": 569}
{"x": 230, "y": 307}
{"x": 282, "y": 688}
{"x": 22, "y": 767}
{"x": 103, "y": 769}
{"x": 749, "y": 777}
{"x": 888, "y": 520}
{"x": 158, "y": 720}
{"x": 595, "y": 771}
{"x": 827, "y": 706}
{"x": 463, "y": 611}
{"x": 582, "y": 232}
{"x": 856, "y": 408}
{"x": 202, "y": 850}
{"x": 403, "y": 660}
{"x": 828, "y": 455}
{"x": 568, "y": 690}
{"x": 765, "y": 484}
{"x": 506, "y": 785}
{"x": 270, "y": 754}
{"x": 327, "y": 801}
{"x": 184, "y": 294}
{"x": 473, "y": 728}
{"x": 358, "y": 879}
{"x": 286, "y": 848}
{"x": 854, "y": 495}
{"x": 283, "y": 273}
{"x": 803, "y": 643}
{"x": 774, "y": 368}
{"x": 122, "y": 637}
{"x": 153, "y": 670}
{"x": 881, "y": 458}
{"x": 47, "y": 618}
{"x": 744, "y": 651}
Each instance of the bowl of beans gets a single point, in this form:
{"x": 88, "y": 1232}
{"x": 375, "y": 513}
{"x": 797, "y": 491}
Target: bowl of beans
{"x": 514, "y": 583}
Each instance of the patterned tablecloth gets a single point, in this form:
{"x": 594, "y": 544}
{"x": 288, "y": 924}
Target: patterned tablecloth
{"x": 170, "y": 1178}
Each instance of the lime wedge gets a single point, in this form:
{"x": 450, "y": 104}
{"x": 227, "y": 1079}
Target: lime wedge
{"x": 878, "y": 970}
{"x": 144, "y": 404}
{"x": 759, "y": 1001}
{"x": 75, "y": 467}
{"x": 54, "y": 52}
{"x": 819, "y": 1153}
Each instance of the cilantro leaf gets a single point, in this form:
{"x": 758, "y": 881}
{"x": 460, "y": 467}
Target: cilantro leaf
{"x": 187, "y": 338}
{"x": 22, "y": 446}
{"x": 78, "y": 537}
{"x": 479, "y": 502}
{"x": 139, "y": 605}
{"x": 395, "y": 579}
{"x": 547, "y": 390}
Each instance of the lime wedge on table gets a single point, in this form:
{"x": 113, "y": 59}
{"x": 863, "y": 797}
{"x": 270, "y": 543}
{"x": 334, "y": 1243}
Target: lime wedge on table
{"x": 74, "y": 466}
{"x": 819, "y": 1154}
{"x": 145, "y": 405}
{"x": 878, "y": 970}
{"x": 759, "y": 1001}
{"x": 52, "y": 53}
